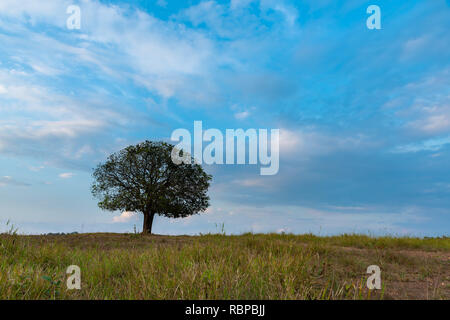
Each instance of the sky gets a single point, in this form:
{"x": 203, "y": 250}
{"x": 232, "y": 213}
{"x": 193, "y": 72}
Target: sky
{"x": 363, "y": 114}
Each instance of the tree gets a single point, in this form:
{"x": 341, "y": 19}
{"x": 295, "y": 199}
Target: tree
{"x": 143, "y": 178}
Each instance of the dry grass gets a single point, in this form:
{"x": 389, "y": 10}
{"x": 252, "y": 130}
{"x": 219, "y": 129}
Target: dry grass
{"x": 271, "y": 266}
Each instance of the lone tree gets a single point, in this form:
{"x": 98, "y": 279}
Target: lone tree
{"x": 143, "y": 178}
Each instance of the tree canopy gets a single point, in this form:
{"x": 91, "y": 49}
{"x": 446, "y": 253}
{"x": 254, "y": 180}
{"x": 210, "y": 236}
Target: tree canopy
{"x": 143, "y": 178}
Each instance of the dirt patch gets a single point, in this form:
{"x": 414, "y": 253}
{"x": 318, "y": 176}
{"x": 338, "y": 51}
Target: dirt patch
{"x": 418, "y": 290}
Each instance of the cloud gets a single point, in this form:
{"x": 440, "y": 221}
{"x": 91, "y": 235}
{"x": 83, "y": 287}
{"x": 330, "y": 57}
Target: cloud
{"x": 435, "y": 120}
{"x": 343, "y": 97}
{"x": 290, "y": 13}
{"x": 36, "y": 168}
{"x": 303, "y": 219}
{"x": 165, "y": 54}
{"x": 28, "y": 10}
{"x": 239, "y": 4}
{"x": 66, "y": 175}
{"x": 427, "y": 145}
{"x": 118, "y": 50}
{"x": 423, "y": 106}
{"x": 125, "y": 217}
{"x": 309, "y": 142}
{"x": 257, "y": 182}
{"x": 241, "y": 115}
{"x": 41, "y": 121}
{"x": 9, "y": 181}
{"x": 161, "y": 3}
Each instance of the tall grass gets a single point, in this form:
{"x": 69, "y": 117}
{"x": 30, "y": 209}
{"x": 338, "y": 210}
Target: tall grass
{"x": 211, "y": 266}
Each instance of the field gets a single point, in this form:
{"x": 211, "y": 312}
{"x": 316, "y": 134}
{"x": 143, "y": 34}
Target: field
{"x": 249, "y": 266}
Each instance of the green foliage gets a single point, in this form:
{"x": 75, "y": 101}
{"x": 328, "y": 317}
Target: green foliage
{"x": 143, "y": 178}
{"x": 11, "y": 228}
{"x": 54, "y": 287}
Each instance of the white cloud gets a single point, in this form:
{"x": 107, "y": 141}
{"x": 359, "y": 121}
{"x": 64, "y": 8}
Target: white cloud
{"x": 126, "y": 216}
{"x": 35, "y": 117}
{"x": 241, "y": 115}
{"x": 427, "y": 145}
{"x": 303, "y": 219}
{"x": 426, "y": 104}
{"x": 311, "y": 142}
{"x": 289, "y": 13}
{"x": 164, "y": 53}
{"x": 45, "y": 69}
{"x": 161, "y": 3}
{"x": 9, "y": 181}
{"x": 66, "y": 175}
{"x": 36, "y": 169}
{"x": 236, "y": 4}
{"x": 434, "y": 120}
{"x": 67, "y": 128}
{"x": 48, "y": 11}
{"x": 415, "y": 46}
{"x": 257, "y": 182}
{"x": 168, "y": 58}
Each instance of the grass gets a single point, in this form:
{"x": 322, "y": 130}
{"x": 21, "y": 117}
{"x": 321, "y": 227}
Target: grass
{"x": 249, "y": 266}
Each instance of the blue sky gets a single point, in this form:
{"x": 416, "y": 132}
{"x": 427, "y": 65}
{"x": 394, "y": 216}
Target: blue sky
{"x": 364, "y": 115}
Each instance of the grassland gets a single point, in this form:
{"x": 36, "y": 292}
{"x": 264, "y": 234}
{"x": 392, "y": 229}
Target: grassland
{"x": 249, "y": 266}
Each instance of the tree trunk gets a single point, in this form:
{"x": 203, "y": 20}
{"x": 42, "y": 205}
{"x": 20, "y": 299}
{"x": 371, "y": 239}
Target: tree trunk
{"x": 148, "y": 222}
